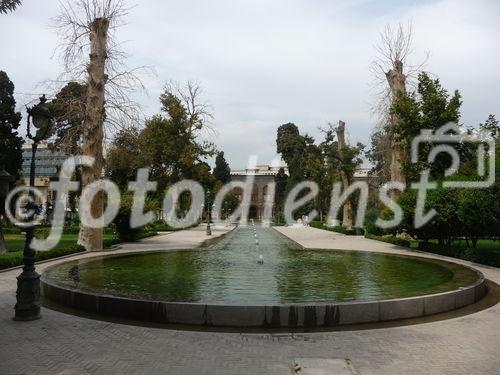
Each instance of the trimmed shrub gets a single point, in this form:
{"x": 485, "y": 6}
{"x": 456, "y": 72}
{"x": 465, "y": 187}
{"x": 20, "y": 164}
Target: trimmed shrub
{"x": 115, "y": 241}
{"x": 16, "y": 258}
{"x": 391, "y": 240}
{"x": 371, "y": 217}
{"x": 470, "y": 213}
{"x": 483, "y": 256}
{"x": 122, "y": 221}
{"x": 11, "y": 230}
{"x": 317, "y": 224}
{"x": 348, "y": 232}
{"x": 338, "y": 229}
{"x": 45, "y": 231}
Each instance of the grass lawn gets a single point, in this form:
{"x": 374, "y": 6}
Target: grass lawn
{"x": 15, "y": 242}
{"x": 67, "y": 245}
{"x": 481, "y": 244}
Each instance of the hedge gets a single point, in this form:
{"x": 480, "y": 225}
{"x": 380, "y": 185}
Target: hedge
{"x": 15, "y": 258}
{"x": 115, "y": 241}
{"x": 483, "y": 256}
{"x": 348, "y": 232}
{"x": 338, "y": 229}
{"x": 391, "y": 240}
{"x": 317, "y": 224}
{"x": 44, "y": 231}
{"x": 164, "y": 227}
{"x": 11, "y": 230}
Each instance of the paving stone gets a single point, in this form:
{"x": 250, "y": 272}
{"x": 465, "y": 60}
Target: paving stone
{"x": 65, "y": 344}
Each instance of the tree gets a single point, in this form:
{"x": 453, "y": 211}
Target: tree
{"x": 171, "y": 147}
{"x": 9, "y": 5}
{"x": 429, "y": 107}
{"x": 379, "y": 155}
{"x": 469, "y": 213}
{"x": 10, "y": 142}
{"x": 168, "y": 145}
{"x": 314, "y": 169}
{"x": 196, "y": 111}
{"x": 122, "y": 220}
{"x": 391, "y": 73}
{"x": 345, "y": 159}
{"x": 68, "y": 109}
{"x": 292, "y": 146}
{"x": 230, "y": 204}
{"x": 124, "y": 157}
{"x": 346, "y": 176}
{"x": 281, "y": 180}
{"x": 322, "y": 163}
{"x": 444, "y": 226}
{"x": 491, "y": 126}
{"x": 303, "y": 158}
{"x": 93, "y": 125}
{"x": 90, "y": 53}
{"x": 479, "y": 212}
{"x": 222, "y": 172}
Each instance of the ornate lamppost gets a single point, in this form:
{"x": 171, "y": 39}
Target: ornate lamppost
{"x": 28, "y": 282}
{"x": 5, "y": 180}
{"x": 208, "y": 205}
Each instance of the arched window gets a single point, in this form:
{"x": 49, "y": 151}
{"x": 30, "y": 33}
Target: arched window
{"x": 238, "y": 192}
{"x": 265, "y": 192}
{"x": 255, "y": 193}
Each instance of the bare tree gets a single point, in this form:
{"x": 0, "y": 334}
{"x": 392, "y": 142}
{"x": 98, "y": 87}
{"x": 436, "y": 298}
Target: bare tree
{"x": 346, "y": 178}
{"x": 347, "y": 158}
{"x": 392, "y": 74}
{"x": 199, "y": 112}
{"x": 91, "y": 54}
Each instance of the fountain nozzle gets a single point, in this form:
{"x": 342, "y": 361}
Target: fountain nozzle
{"x": 261, "y": 259}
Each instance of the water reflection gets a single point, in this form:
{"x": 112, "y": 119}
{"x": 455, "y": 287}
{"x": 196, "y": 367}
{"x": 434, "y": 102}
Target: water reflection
{"x": 230, "y": 273}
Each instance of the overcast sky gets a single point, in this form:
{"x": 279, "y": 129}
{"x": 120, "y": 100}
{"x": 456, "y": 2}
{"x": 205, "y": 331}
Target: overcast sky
{"x": 264, "y": 63}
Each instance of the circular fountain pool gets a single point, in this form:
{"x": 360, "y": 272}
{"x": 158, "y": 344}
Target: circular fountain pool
{"x": 227, "y": 286}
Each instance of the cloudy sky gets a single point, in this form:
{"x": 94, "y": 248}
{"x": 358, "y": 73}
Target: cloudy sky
{"x": 263, "y": 63}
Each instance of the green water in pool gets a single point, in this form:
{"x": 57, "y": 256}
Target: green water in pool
{"x": 229, "y": 273}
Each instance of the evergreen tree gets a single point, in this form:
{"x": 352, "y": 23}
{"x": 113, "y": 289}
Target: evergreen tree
{"x": 9, "y": 5}
{"x": 10, "y": 142}
{"x": 292, "y": 147}
{"x": 281, "y": 180}
{"x": 430, "y": 107}
{"x": 222, "y": 172}
{"x": 68, "y": 109}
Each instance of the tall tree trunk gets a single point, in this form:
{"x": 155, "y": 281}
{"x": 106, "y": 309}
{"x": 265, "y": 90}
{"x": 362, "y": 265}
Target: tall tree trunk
{"x": 3, "y": 247}
{"x": 397, "y": 84}
{"x": 346, "y": 179}
{"x": 93, "y": 132}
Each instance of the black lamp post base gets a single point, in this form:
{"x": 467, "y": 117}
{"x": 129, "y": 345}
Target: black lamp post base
{"x": 27, "y": 315}
{"x": 28, "y": 297}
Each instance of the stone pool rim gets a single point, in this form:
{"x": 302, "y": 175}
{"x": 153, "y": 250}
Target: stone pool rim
{"x": 289, "y": 315}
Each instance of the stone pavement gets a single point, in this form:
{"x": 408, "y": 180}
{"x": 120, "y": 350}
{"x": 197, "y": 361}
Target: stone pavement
{"x": 65, "y": 344}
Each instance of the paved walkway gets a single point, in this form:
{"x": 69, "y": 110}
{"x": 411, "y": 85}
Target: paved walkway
{"x": 66, "y": 344}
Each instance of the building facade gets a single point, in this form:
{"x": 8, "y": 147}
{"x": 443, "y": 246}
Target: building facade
{"x": 263, "y": 175}
{"x": 47, "y": 164}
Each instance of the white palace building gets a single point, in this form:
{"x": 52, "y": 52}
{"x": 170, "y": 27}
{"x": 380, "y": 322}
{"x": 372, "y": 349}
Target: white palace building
{"x": 264, "y": 175}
